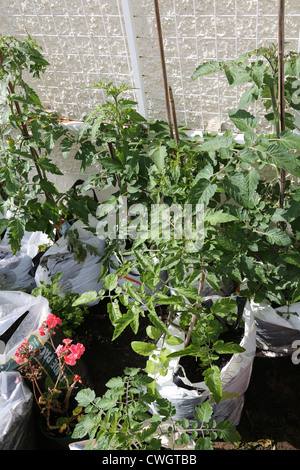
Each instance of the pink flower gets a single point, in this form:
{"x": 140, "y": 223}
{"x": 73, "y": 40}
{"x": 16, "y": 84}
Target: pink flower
{"x": 58, "y": 349}
{"x": 50, "y": 323}
{"x": 70, "y": 360}
{"x": 70, "y": 352}
{"x": 77, "y": 349}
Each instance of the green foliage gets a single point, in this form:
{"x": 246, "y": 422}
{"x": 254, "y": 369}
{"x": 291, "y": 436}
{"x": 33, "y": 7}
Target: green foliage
{"x": 72, "y": 316}
{"x": 121, "y": 419}
{"x": 259, "y": 69}
{"x": 28, "y": 135}
{"x": 261, "y": 230}
{"x": 244, "y": 235}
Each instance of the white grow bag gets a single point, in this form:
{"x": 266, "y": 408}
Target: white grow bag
{"x": 77, "y": 277}
{"x": 15, "y": 268}
{"x": 16, "y": 402}
{"x": 276, "y": 334}
{"x": 235, "y": 378}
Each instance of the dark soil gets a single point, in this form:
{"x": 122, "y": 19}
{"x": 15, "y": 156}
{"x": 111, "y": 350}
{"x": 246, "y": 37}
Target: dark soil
{"x": 272, "y": 407}
{"x": 104, "y": 358}
{"x": 192, "y": 367}
{"x": 271, "y": 413}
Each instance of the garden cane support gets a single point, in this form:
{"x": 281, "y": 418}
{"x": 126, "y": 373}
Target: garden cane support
{"x": 281, "y": 87}
{"x": 163, "y": 65}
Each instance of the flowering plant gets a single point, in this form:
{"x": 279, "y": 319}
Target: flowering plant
{"x": 55, "y": 398}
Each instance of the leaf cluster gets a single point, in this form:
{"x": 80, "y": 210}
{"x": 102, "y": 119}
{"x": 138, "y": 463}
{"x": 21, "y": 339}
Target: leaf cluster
{"x": 122, "y": 419}
{"x": 62, "y": 305}
{"x": 28, "y": 136}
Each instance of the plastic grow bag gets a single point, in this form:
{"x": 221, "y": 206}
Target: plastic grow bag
{"x": 15, "y": 413}
{"x": 13, "y": 306}
{"x": 278, "y": 329}
{"x": 235, "y": 377}
{"x": 78, "y": 277}
{"x": 15, "y": 268}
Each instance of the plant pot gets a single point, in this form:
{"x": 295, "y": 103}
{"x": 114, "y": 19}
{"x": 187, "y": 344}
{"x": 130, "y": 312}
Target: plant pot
{"x": 51, "y": 440}
{"x": 235, "y": 377}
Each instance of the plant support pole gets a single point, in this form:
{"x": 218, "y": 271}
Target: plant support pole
{"x": 281, "y": 87}
{"x": 174, "y": 118}
{"x": 163, "y": 65}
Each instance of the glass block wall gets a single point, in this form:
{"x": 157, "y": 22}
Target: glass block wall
{"x": 86, "y": 40}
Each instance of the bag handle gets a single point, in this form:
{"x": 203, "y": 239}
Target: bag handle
{"x": 80, "y": 183}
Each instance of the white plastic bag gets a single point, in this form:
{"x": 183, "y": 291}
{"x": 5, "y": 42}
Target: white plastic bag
{"x": 276, "y": 332}
{"x": 15, "y": 268}
{"x": 13, "y": 305}
{"x": 235, "y": 377}
{"x": 16, "y": 401}
{"x": 78, "y": 277}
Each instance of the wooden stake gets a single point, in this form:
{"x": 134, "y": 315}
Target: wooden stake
{"x": 174, "y": 118}
{"x": 281, "y": 87}
{"x": 163, "y": 65}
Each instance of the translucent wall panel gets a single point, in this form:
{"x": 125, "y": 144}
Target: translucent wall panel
{"x": 86, "y": 40}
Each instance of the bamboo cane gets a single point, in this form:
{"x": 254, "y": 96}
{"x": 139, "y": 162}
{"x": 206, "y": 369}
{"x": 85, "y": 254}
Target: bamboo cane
{"x": 174, "y": 118}
{"x": 281, "y": 87}
{"x": 163, "y": 65}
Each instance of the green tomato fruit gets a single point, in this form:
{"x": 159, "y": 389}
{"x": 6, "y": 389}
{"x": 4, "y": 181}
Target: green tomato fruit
{"x": 10, "y": 142}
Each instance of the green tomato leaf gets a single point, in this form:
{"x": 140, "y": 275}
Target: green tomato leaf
{"x": 203, "y": 412}
{"x": 86, "y": 297}
{"x": 204, "y": 443}
{"x": 207, "y": 68}
{"x": 282, "y": 158}
{"x": 215, "y": 144}
{"x": 85, "y": 397}
{"x": 227, "y": 348}
{"x": 110, "y": 281}
{"x": 202, "y": 192}
{"x": 228, "y": 432}
{"x": 213, "y": 382}
{"x": 144, "y": 349}
{"x": 243, "y": 120}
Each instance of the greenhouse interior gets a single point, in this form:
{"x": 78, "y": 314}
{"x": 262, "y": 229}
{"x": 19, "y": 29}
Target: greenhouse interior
{"x": 150, "y": 227}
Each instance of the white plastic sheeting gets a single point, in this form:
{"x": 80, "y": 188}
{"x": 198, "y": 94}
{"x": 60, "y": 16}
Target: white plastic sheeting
{"x": 15, "y": 411}
{"x": 78, "y": 277}
{"x": 278, "y": 330}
